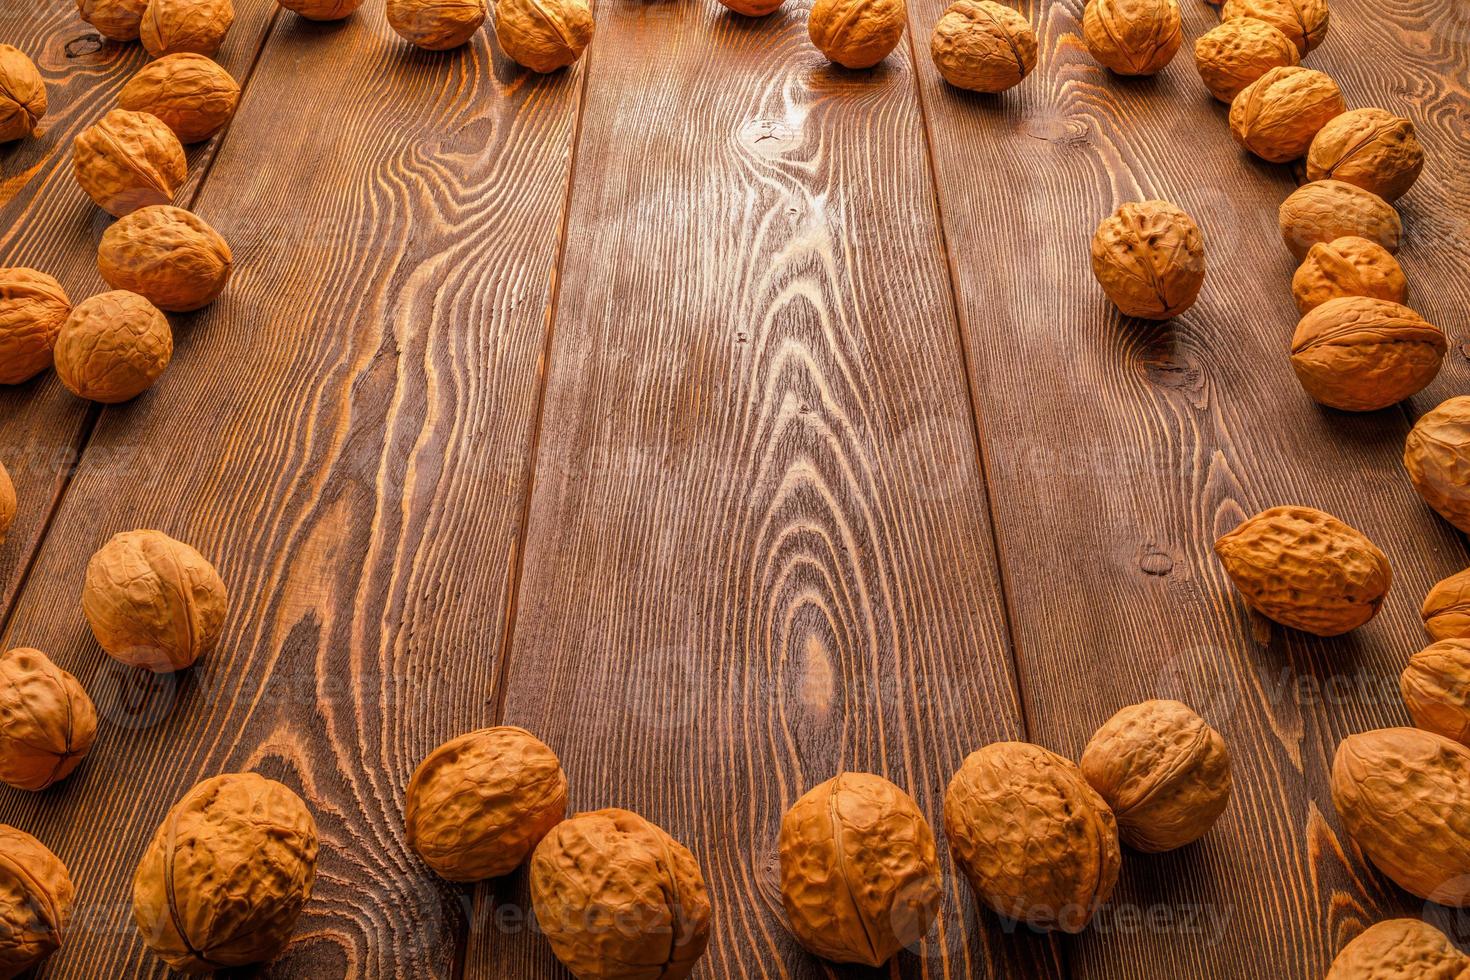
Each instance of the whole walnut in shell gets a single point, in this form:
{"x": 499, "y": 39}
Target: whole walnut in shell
{"x": 129, "y": 160}
{"x": 983, "y": 46}
{"x": 480, "y": 803}
{"x": 8, "y": 503}
{"x": 153, "y": 602}
{"x": 35, "y": 901}
{"x": 1278, "y": 115}
{"x": 1304, "y": 21}
{"x": 436, "y": 25}
{"x": 179, "y": 26}
{"x": 1437, "y": 456}
{"x": 1237, "y": 52}
{"x": 619, "y": 899}
{"x": 1132, "y": 37}
{"x": 753, "y": 8}
{"x": 1360, "y": 354}
{"x": 192, "y": 95}
{"x": 1037, "y": 843}
{"x": 117, "y": 20}
{"x": 47, "y": 722}
{"x": 1326, "y": 210}
{"x": 543, "y": 35}
{"x": 1371, "y": 148}
{"x": 1404, "y": 796}
{"x": 860, "y": 876}
{"x": 1348, "y": 266}
{"x": 1400, "y": 949}
{"x": 1164, "y": 772}
{"x": 167, "y": 255}
{"x": 22, "y": 94}
{"x": 321, "y": 9}
{"x": 1446, "y": 609}
{"x": 1436, "y": 689}
{"x": 856, "y": 33}
{"x": 113, "y": 347}
{"x": 225, "y": 877}
{"x": 1304, "y": 568}
{"x": 1149, "y": 259}
{"x": 33, "y": 307}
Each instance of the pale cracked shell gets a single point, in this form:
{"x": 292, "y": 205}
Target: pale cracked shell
{"x": 47, "y": 721}
{"x": 619, "y": 899}
{"x": 478, "y": 805}
{"x": 1133, "y": 37}
{"x": 180, "y": 26}
{"x": 1404, "y": 796}
{"x": 436, "y": 25}
{"x": 1278, "y": 115}
{"x": 1436, "y": 689}
{"x": 321, "y": 9}
{"x": 8, "y": 503}
{"x": 856, "y": 33}
{"x": 117, "y": 20}
{"x": 192, "y": 95}
{"x": 860, "y": 876}
{"x": 1370, "y": 148}
{"x": 1446, "y": 609}
{"x": 1360, "y": 354}
{"x": 1437, "y": 456}
{"x": 1163, "y": 771}
{"x": 1304, "y": 568}
{"x": 1400, "y": 949}
{"x": 227, "y": 874}
{"x": 169, "y": 256}
{"x": 113, "y": 347}
{"x": 543, "y": 35}
{"x": 1037, "y": 843}
{"x": 35, "y": 901}
{"x": 1234, "y": 54}
{"x": 153, "y": 602}
{"x": 129, "y": 160}
{"x": 1150, "y": 259}
{"x": 983, "y": 46}
{"x": 22, "y": 94}
{"x": 1304, "y": 21}
{"x": 33, "y": 307}
{"x": 1348, "y": 266}
{"x": 1326, "y": 210}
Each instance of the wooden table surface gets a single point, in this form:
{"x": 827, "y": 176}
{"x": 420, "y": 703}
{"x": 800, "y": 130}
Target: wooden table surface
{"x": 728, "y": 420}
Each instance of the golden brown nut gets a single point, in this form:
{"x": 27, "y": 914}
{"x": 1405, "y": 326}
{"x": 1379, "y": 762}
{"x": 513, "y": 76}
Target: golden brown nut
{"x": 753, "y": 8}
{"x": 856, "y": 33}
{"x": 35, "y": 901}
{"x": 1371, "y": 148}
{"x": 1304, "y": 21}
{"x": 226, "y": 875}
{"x": 22, "y": 94}
{"x": 860, "y": 876}
{"x": 1326, "y": 210}
{"x": 1446, "y": 609}
{"x": 118, "y": 20}
{"x": 129, "y": 160}
{"x": 1360, "y": 354}
{"x": 113, "y": 347}
{"x": 1277, "y": 116}
{"x": 8, "y": 503}
{"x": 480, "y": 803}
{"x": 543, "y": 35}
{"x": 321, "y": 9}
{"x": 436, "y": 25}
{"x": 167, "y": 255}
{"x": 619, "y": 899}
{"x": 1132, "y": 37}
{"x": 47, "y": 722}
{"x": 1404, "y": 796}
{"x": 33, "y": 306}
{"x": 1149, "y": 259}
{"x": 192, "y": 95}
{"x": 178, "y": 26}
{"x": 1437, "y": 456}
{"x": 1400, "y": 949}
{"x": 1037, "y": 843}
{"x": 1164, "y": 772}
{"x": 1237, "y": 52}
{"x": 154, "y": 602}
{"x": 1348, "y": 266}
{"x": 983, "y": 46}
{"x": 1436, "y": 688}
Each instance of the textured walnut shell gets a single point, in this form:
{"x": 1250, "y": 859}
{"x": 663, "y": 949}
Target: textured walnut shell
{"x": 1304, "y": 21}
{"x": 118, "y": 20}
{"x": 35, "y": 901}
{"x": 543, "y": 35}
{"x": 22, "y": 94}
{"x": 983, "y": 46}
{"x": 1278, "y": 115}
{"x": 321, "y": 9}
{"x": 1446, "y": 609}
{"x": 479, "y": 804}
{"x": 860, "y": 876}
{"x": 1164, "y": 772}
{"x": 1348, "y": 266}
{"x": 8, "y": 503}
{"x": 1037, "y": 843}
{"x": 47, "y": 722}
{"x": 1436, "y": 689}
{"x": 167, "y": 255}
{"x": 1404, "y": 796}
{"x": 1304, "y": 568}
{"x": 1360, "y": 354}
{"x": 753, "y": 8}
{"x": 226, "y": 875}
{"x": 1149, "y": 259}
{"x": 619, "y": 899}
{"x": 1237, "y": 52}
{"x": 1400, "y": 949}
{"x": 1371, "y": 148}
{"x": 1437, "y": 456}
{"x": 856, "y": 33}
{"x": 178, "y": 26}
{"x": 1326, "y": 210}
{"x": 1132, "y": 37}
{"x": 129, "y": 160}
{"x": 153, "y": 602}
{"x": 33, "y": 307}
{"x": 192, "y": 95}
{"x": 113, "y": 347}
{"x": 436, "y": 25}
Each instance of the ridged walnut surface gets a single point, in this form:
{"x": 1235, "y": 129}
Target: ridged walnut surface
{"x": 113, "y": 347}
{"x": 1326, "y": 210}
{"x": 180, "y": 26}
{"x": 436, "y": 25}
{"x": 1360, "y": 354}
{"x": 169, "y": 256}
{"x": 191, "y": 94}
{"x": 35, "y": 902}
{"x": 1133, "y": 37}
{"x": 1149, "y": 258}
{"x": 1234, "y": 54}
{"x": 118, "y": 20}
{"x": 543, "y": 35}
{"x": 8, "y": 503}
{"x": 1304, "y": 21}
{"x": 322, "y": 9}
{"x": 47, "y": 721}
{"x": 33, "y": 307}
{"x": 1446, "y": 609}
{"x": 1348, "y": 266}
{"x": 1437, "y": 456}
{"x": 1436, "y": 689}
{"x": 856, "y": 33}
{"x": 1277, "y": 116}
{"x": 983, "y": 46}
{"x": 1370, "y": 148}
{"x": 22, "y": 94}
{"x": 1400, "y": 949}
{"x": 129, "y": 160}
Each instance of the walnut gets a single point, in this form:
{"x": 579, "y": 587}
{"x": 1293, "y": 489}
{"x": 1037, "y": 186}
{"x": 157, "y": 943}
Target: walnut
{"x": 1237, "y": 52}
{"x": 1360, "y": 354}
{"x": 1371, "y": 148}
{"x": 113, "y": 347}
{"x": 1437, "y": 456}
{"x": 47, "y": 722}
{"x": 1149, "y": 259}
{"x": 8, "y": 503}
{"x": 321, "y": 9}
{"x": 1277, "y": 116}
{"x": 983, "y": 46}
{"x": 436, "y": 25}
{"x": 1436, "y": 689}
{"x": 35, "y": 901}
{"x": 33, "y": 306}
{"x": 194, "y": 97}
{"x": 753, "y": 8}
{"x": 129, "y": 160}
{"x": 856, "y": 33}
{"x": 1446, "y": 609}
{"x": 1400, "y": 949}
{"x": 167, "y": 255}
{"x": 1304, "y": 21}
{"x": 22, "y": 94}
{"x": 1326, "y": 210}
{"x": 117, "y": 20}
{"x": 1132, "y": 37}
{"x": 543, "y": 35}
{"x": 1348, "y": 266}
{"x": 179, "y": 26}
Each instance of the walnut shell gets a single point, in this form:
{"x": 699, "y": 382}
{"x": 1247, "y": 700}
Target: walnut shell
{"x": 22, "y": 94}
{"x": 226, "y": 876}
{"x": 192, "y": 95}
{"x": 983, "y": 46}
{"x": 437, "y": 25}
{"x": 1436, "y": 689}
{"x": 860, "y": 876}
{"x": 1037, "y": 843}
{"x": 47, "y": 722}
{"x": 1326, "y": 210}
{"x": 1164, "y": 772}
{"x": 1400, "y": 949}
{"x": 1304, "y": 21}
{"x": 1278, "y": 115}
{"x": 167, "y": 255}
{"x": 113, "y": 347}
{"x": 753, "y": 8}
{"x": 1237, "y": 52}
{"x": 35, "y": 901}
{"x": 321, "y": 9}
{"x": 1370, "y": 148}
{"x": 1360, "y": 354}
{"x": 543, "y": 35}
{"x": 1446, "y": 609}
{"x": 33, "y": 307}
{"x": 117, "y": 20}
{"x": 153, "y": 602}
{"x": 1303, "y": 568}
{"x": 178, "y": 26}
{"x": 129, "y": 160}
{"x": 479, "y": 804}
{"x": 1348, "y": 266}
{"x": 8, "y": 503}
{"x": 1437, "y": 456}
{"x": 619, "y": 899}
{"x": 1404, "y": 796}
{"x": 1149, "y": 259}
{"x": 1132, "y": 37}
{"x": 856, "y": 33}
